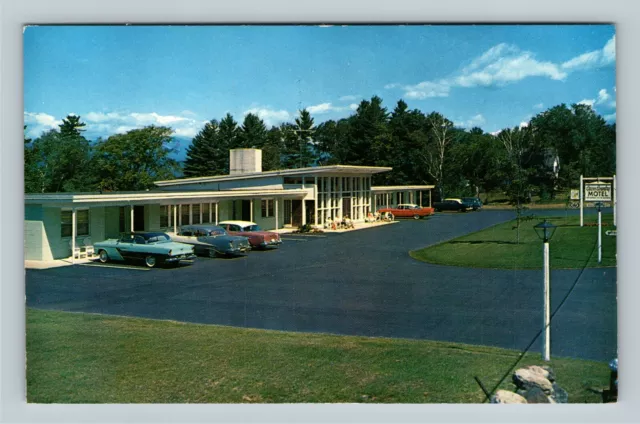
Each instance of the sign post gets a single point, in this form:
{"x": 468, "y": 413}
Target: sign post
{"x": 599, "y": 207}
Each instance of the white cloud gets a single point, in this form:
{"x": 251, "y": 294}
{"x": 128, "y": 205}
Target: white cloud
{"x": 538, "y": 106}
{"x": 349, "y": 98}
{"x": 474, "y": 121}
{"x": 321, "y": 108}
{"x": 587, "y": 102}
{"x": 505, "y": 64}
{"x": 610, "y": 117}
{"x": 427, "y": 89}
{"x": 155, "y": 119}
{"x": 269, "y": 116}
{"x": 523, "y": 124}
{"x": 603, "y": 96}
{"x": 353, "y": 106}
{"x": 37, "y": 123}
{"x": 593, "y": 59}
{"x": 100, "y": 117}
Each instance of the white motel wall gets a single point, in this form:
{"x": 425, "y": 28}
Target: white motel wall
{"x": 272, "y": 199}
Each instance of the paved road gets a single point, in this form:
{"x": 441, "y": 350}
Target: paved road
{"x": 361, "y": 283}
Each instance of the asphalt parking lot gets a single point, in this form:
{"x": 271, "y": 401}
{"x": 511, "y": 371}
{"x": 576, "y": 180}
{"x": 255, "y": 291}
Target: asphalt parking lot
{"x": 359, "y": 283}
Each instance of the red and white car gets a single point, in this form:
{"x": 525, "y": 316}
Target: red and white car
{"x": 407, "y": 210}
{"x": 258, "y": 238}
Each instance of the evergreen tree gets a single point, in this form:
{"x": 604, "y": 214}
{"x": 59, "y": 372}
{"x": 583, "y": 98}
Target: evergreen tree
{"x": 207, "y": 155}
{"x": 72, "y": 126}
{"x": 299, "y": 147}
{"x": 253, "y": 133}
{"x": 228, "y": 138}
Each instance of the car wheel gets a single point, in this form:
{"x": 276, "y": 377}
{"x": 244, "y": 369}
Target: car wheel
{"x": 212, "y": 253}
{"x": 103, "y": 257}
{"x": 150, "y": 261}
{"x": 416, "y": 216}
{"x": 436, "y": 210}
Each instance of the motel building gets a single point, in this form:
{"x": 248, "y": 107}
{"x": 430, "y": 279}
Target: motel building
{"x": 56, "y": 223}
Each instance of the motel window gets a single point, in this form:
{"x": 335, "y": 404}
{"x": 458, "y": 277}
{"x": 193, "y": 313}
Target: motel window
{"x": 164, "y": 216}
{"x": 206, "y": 207}
{"x": 195, "y": 214}
{"x": 184, "y": 214}
{"x": 266, "y": 206}
{"x": 82, "y": 223}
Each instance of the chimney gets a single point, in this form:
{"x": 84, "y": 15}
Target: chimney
{"x": 245, "y": 161}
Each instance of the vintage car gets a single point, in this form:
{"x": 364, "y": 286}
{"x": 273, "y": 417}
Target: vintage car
{"x": 258, "y": 238}
{"x": 472, "y": 203}
{"x": 451, "y": 205}
{"x": 152, "y": 248}
{"x": 407, "y": 210}
{"x": 211, "y": 240}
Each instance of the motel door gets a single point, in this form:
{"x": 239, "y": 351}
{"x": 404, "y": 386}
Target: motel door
{"x": 296, "y": 213}
{"x": 346, "y": 207}
{"x": 246, "y": 210}
{"x": 138, "y": 218}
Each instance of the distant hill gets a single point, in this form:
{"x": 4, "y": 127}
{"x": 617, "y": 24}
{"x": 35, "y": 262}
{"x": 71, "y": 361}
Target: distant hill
{"x": 181, "y": 145}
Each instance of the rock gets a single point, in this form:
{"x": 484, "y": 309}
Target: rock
{"x": 559, "y": 394}
{"x": 552, "y": 375}
{"x": 521, "y": 392}
{"x": 536, "y": 395}
{"x": 524, "y": 378}
{"x": 544, "y": 371}
{"x": 505, "y": 396}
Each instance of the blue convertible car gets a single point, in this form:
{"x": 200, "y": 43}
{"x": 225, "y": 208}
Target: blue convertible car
{"x": 153, "y": 248}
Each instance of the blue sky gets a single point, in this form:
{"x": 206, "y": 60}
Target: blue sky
{"x": 492, "y": 76}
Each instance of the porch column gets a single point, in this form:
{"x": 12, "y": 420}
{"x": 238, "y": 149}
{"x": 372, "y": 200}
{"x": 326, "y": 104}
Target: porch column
{"x": 190, "y": 213}
{"x": 429, "y": 197}
{"x": 340, "y": 190}
{"x": 304, "y": 208}
{"x": 420, "y": 198}
{"x": 315, "y": 203}
{"x": 73, "y": 236}
{"x": 175, "y": 219}
{"x": 210, "y": 211}
{"x": 276, "y": 208}
{"x": 217, "y": 213}
{"x": 251, "y": 210}
{"x": 131, "y": 213}
{"x": 387, "y": 194}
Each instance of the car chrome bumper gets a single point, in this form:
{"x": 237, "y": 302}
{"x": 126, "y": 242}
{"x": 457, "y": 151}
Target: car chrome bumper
{"x": 185, "y": 257}
{"x": 270, "y": 243}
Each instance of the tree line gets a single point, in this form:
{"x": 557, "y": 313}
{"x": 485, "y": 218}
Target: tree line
{"x": 542, "y": 158}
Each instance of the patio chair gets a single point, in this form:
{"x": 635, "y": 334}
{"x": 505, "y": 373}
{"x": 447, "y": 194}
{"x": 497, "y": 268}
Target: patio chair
{"x": 88, "y": 247}
{"x": 77, "y": 251}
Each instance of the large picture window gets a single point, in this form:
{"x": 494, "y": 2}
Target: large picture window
{"x": 82, "y": 223}
{"x": 195, "y": 213}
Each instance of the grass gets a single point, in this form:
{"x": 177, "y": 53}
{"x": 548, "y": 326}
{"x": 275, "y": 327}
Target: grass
{"x": 496, "y": 247}
{"x": 89, "y": 358}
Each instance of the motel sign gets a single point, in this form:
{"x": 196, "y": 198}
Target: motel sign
{"x": 597, "y": 192}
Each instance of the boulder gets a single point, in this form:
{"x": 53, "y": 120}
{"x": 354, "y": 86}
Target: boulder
{"x": 525, "y": 378}
{"x": 505, "y": 396}
{"x": 544, "y": 371}
{"x": 559, "y": 394}
{"x": 536, "y": 395}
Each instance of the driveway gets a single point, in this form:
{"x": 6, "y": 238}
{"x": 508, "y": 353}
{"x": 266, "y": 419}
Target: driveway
{"x": 358, "y": 283}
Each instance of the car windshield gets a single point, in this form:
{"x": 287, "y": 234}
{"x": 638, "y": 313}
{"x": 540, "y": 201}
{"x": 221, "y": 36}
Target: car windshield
{"x": 253, "y": 227}
{"x": 157, "y": 238}
{"x": 217, "y": 232}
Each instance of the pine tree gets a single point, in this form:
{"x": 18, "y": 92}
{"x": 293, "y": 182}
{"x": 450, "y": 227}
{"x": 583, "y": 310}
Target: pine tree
{"x": 204, "y": 155}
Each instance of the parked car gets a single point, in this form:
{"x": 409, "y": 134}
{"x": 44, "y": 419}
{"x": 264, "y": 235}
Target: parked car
{"x": 258, "y": 238}
{"x": 212, "y": 240}
{"x": 407, "y": 210}
{"x": 153, "y": 248}
{"x": 472, "y": 203}
{"x": 451, "y": 205}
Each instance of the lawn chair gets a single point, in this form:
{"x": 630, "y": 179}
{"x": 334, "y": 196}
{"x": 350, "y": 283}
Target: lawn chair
{"x": 88, "y": 247}
{"x": 77, "y": 251}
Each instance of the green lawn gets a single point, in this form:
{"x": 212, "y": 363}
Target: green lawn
{"x": 496, "y": 247}
{"x": 87, "y": 358}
